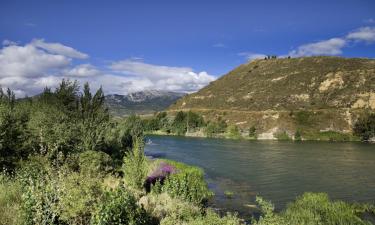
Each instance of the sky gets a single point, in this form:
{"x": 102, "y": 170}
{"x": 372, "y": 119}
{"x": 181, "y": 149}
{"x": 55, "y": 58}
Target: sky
{"x": 179, "y": 45}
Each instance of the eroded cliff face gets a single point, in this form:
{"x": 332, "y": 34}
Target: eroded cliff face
{"x": 313, "y": 94}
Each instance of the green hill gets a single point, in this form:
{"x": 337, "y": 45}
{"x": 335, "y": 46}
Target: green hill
{"x": 313, "y": 94}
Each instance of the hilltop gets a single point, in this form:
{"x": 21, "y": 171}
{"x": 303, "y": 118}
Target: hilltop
{"x": 312, "y": 94}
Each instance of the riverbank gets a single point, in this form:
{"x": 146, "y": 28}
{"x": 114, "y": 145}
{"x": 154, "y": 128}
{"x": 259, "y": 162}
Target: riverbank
{"x": 284, "y": 136}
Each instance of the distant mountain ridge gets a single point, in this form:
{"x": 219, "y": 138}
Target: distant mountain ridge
{"x": 142, "y": 102}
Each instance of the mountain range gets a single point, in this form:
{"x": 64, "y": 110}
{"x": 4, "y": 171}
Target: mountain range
{"x": 142, "y": 102}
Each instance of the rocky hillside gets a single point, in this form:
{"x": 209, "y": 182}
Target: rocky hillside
{"x": 143, "y": 102}
{"x": 285, "y": 95}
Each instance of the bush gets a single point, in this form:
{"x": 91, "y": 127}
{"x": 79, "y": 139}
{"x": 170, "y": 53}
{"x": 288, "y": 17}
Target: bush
{"x": 297, "y": 135}
{"x": 233, "y": 132}
{"x": 94, "y": 163}
{"x": 78, "y": 195}
{"x": 282, "y": 136}
{"x": 10, "y": 201}
{"x": 213, "y": 128}
{"x": 310, "y": 208}
{"x": 120, "y": 207}
{"x": 252, "y": 132}
{"x": 365, "y": 127}
{"x": 135, "y": 166}
{"x": 187, "y": 184}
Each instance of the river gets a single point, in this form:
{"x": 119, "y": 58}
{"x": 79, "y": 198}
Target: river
{"x": 276, "y": 170}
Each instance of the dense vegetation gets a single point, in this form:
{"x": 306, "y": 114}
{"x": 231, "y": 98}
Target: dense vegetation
{"x": 193, "y": 124}
{"x": 66, "y": 161}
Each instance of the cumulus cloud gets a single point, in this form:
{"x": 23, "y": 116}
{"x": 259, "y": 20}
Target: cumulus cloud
{"x": 366, "y": 34}
{"x": 9, "y": 42}
{"x": 250, "y": 56}
{"x": 163, "y": 77}
{"x": 29, "y": 61}
{"x": 57, "y": 48}
{"x": 332, "y": 46}
{"x": 28, "y": 69}
{"x": 83, "y": 70}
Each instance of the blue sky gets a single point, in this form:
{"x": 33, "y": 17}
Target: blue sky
{"x": 131, "y": 38}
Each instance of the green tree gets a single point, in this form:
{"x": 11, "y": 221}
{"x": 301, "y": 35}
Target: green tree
{"x": 365, "y": 126}
{"x": 135, "y": 165}
{"x": 13, "y": 130}
{"x": 94, "y": 119}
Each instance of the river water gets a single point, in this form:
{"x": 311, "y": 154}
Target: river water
{"x": 276, "y": 170}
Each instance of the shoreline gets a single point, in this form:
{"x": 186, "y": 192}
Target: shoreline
{"x": 223, "y": 136}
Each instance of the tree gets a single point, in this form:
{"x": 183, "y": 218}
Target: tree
{"x": 135, "y": 165}
{"x": 252, "y": 131}
{"x": 365, "y": 126}
{"x": 13, "y": 131}
{"x": 94, "y": 118}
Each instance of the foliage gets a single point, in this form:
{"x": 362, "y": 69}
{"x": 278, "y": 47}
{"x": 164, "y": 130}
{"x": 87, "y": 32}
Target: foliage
{"x": 174, "y": 211}
{"x": 252, "y": 132}
{"x": 135, "y": 166}
{"x": 297, "y": 135}
{"x": 120, "y": 207}
{"x": 232, "y": 131}
{"x": 187, "y": 184}
{"x": 213, "y": 128}
{"x": 92, "y": 163}
{"x": 282, "y": 135}
{"x": 13, "y": 131}
{"x": 365, "y": 126}
{"x": 310, "y": 208}
{"x": 10, "y": 200}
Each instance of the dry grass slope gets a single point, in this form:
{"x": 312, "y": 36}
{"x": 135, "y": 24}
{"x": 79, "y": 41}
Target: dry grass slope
{"x": 268, "y": 93}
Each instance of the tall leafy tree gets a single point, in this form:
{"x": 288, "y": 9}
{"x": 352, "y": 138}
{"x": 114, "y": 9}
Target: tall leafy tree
{"x": 94, "y": 118}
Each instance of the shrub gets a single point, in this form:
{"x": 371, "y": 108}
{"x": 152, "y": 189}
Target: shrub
{"x": 40, "y": 198}
{"x": 135, "y": 166}
{"x": 365, "y": 127}
{"x": 310, "y": 208}
{"x": 232, "y": 131}
{"x": 10, "y": 201}
{"x": 252, "y": 132}
{"x": 78, "y": 195}
{"x": 282, "y": 136}
{"x": 187, "y": 184}
{"x": 94, "y": 163}
{"x": 297, "y": 135}
{"x": 120, "y": 207}
{"x": 165, "y": 208}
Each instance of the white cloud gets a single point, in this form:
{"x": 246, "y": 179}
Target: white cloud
{"x": 28, "y": 69}
{"x": 250, "y": 56}
{"x": 57, "y": 48}
{"x": 370, "y": 20}
{"x": 163, "y": 77}
{"x": 83, "y": 70}
{"x": 9, "y": 42}
{"x": 366, "y": 34}
{"x": 332, "y": 46}
{"x": 29, "y": 61}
